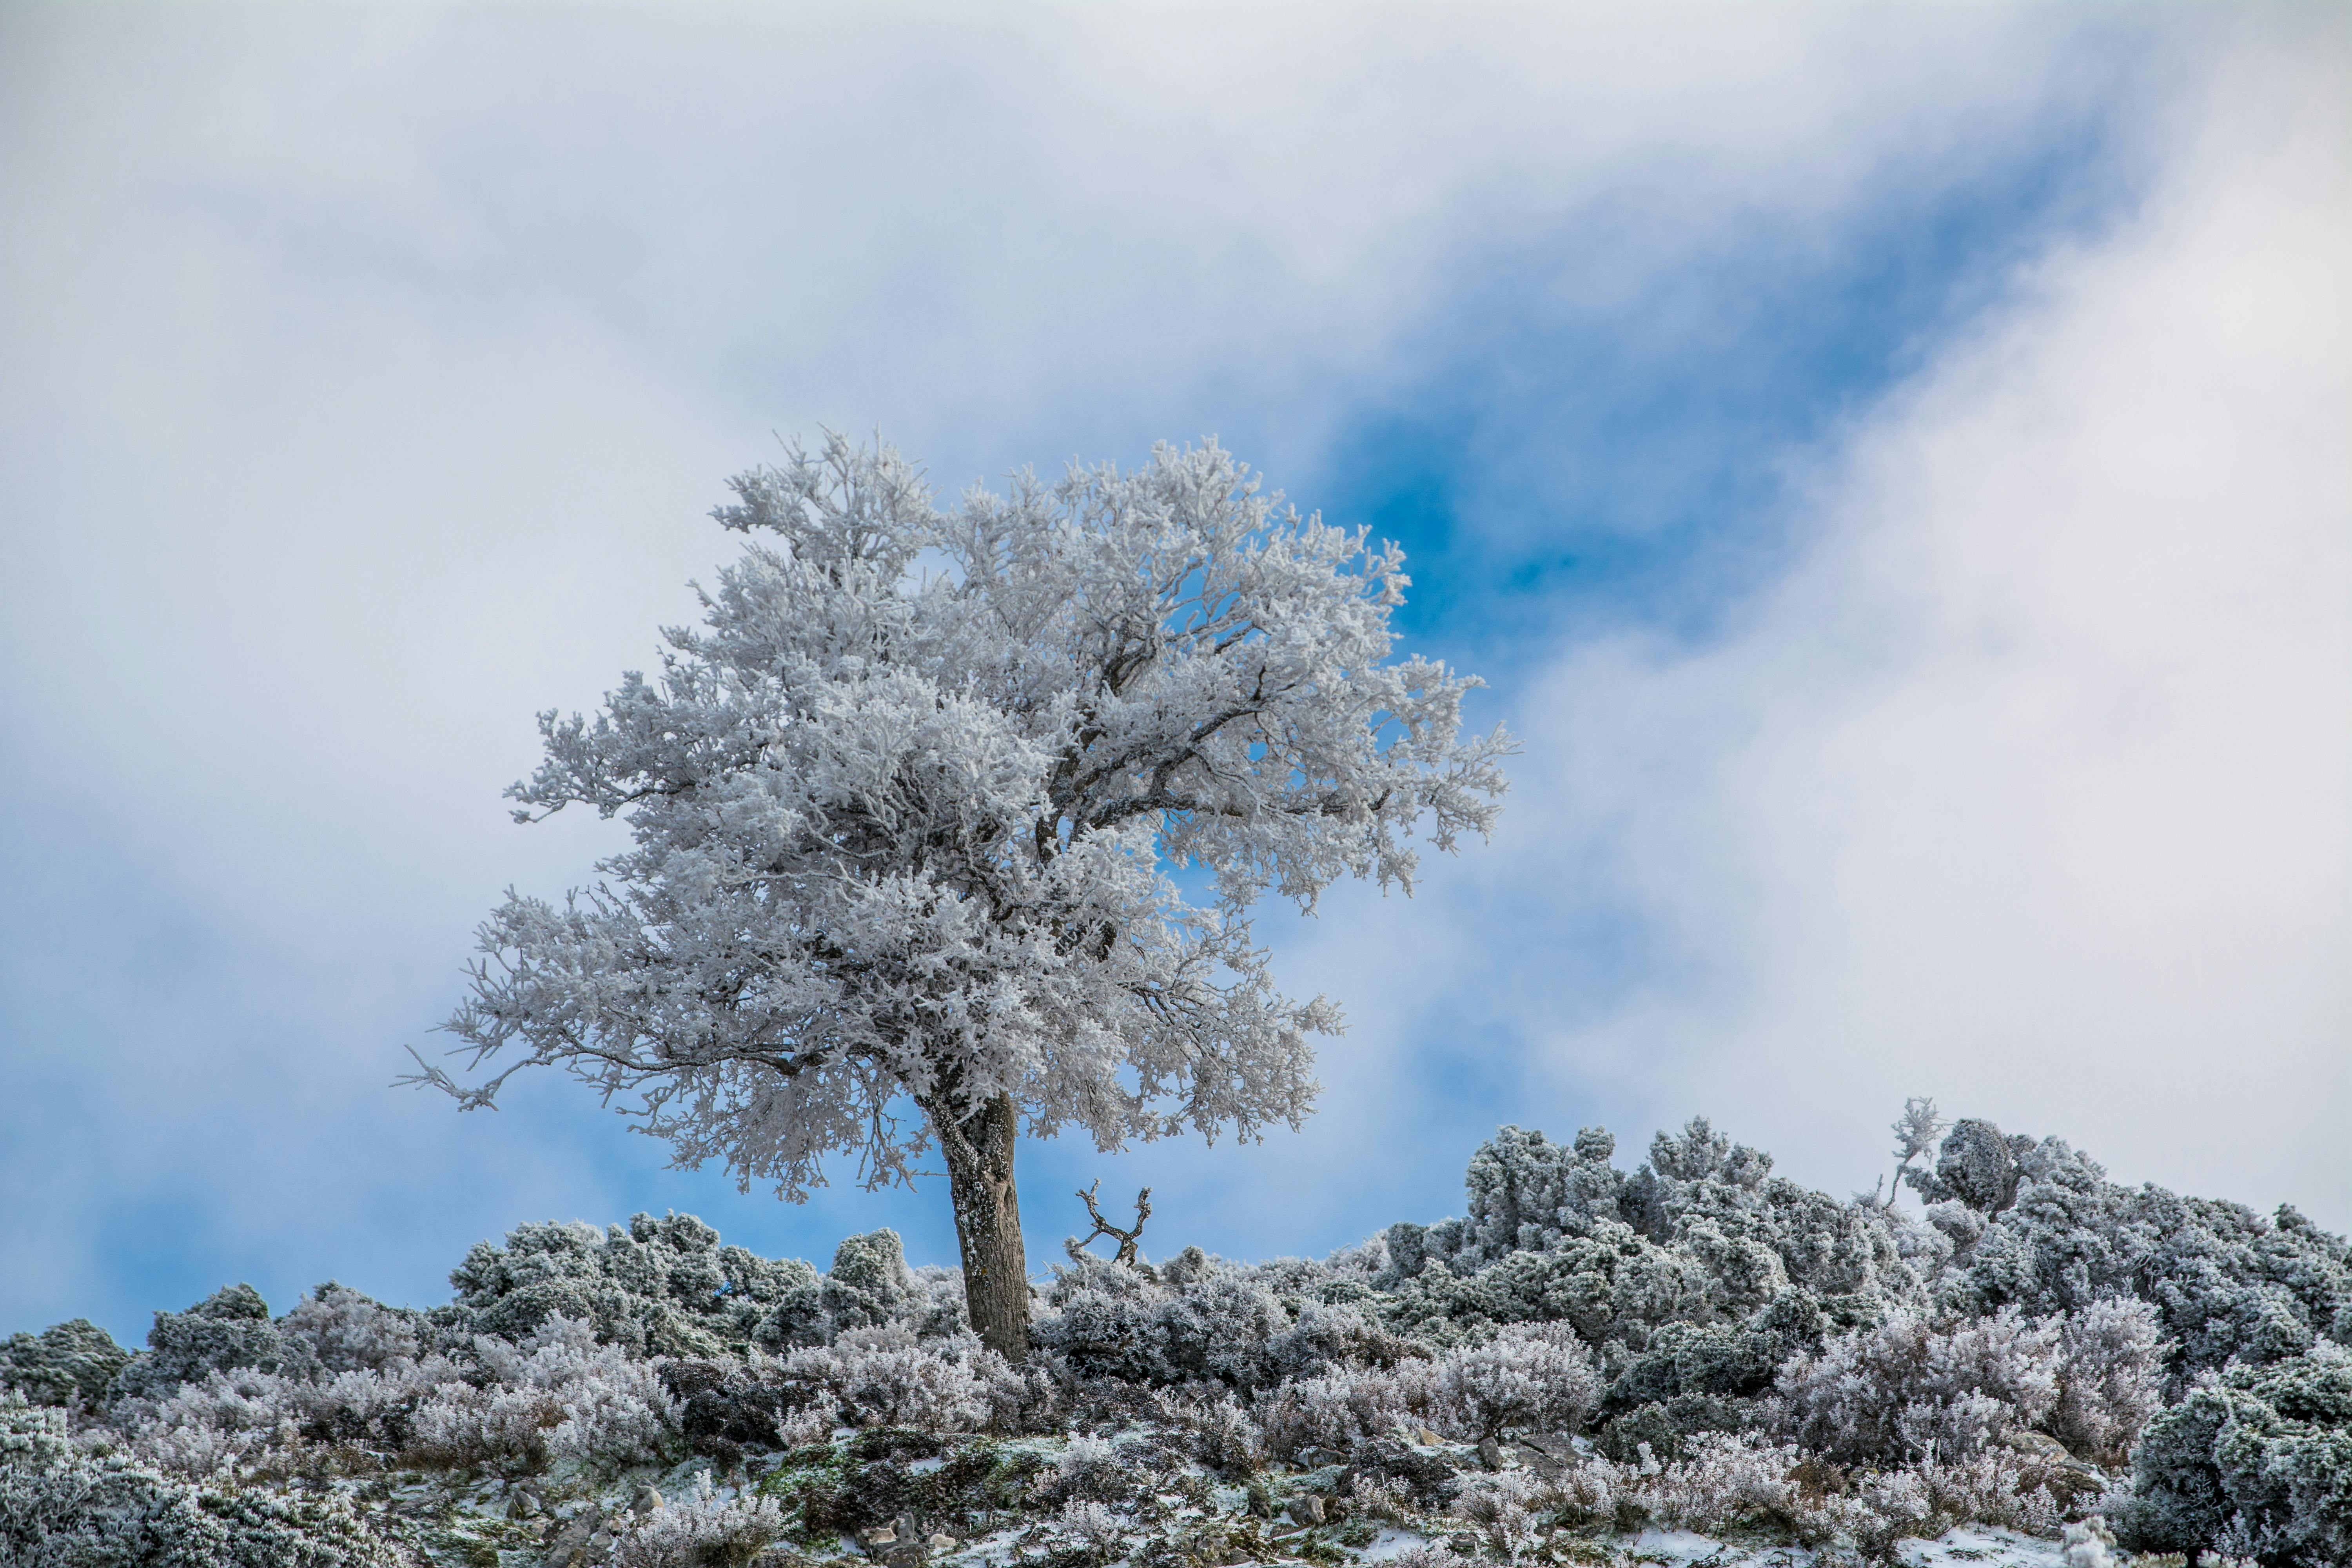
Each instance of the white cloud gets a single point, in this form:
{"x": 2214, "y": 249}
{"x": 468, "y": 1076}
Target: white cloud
{"x": 2028, "y": 788}
{"x": 369, "y": 372}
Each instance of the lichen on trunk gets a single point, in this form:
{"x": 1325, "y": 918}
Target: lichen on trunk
{"x": 979, "y": 1147}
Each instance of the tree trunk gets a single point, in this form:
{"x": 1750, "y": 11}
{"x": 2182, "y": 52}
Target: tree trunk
{"x": 979, "y": 1151}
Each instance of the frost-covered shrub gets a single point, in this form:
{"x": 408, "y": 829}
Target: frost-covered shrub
{"x": 1323, "y": 1336}
{"x": 1703, "y": 1233}
{"x": 2228, "y": 1284}
{"x": 1510, "y": 1510}
{"x": 227, "y": 1331}
{"x": 1593, "y": 1491}
{"x": 497, "y": 1428}
{"x": 701, "y": 1529}
{"x": 2085, "y": 1543}
{"x": 1093, "y": 1525}
{"x": 1432, "y": 1480}
{"x": 1524, "y": 1193}
{"x": 935, "y": 1304}
{"x": 2257, "y": 1461}
{"x": 662, "y": 1286}
{"x": 1727, "y": 1484}
{"x": 1215, "y": 1325}
{"x": 615, "y": 1411}
{"x": 2110, "y": 1378}
{"x": 348, "y": 1332}
{"x": 375, "y": 1406}
{"x": 1703, "y": 1374}
{"x": 1225, "y": 1438}
{"x": 1924, "y": 1499}
{"x": 1379, "y": 1497}
{"x": 728, "y": 1406}
{"x": 61, "y": 1506}
{"x": 913, "y": 1386}
{"x": 1724, "y": 1482}
{"x": 1704, "y": 1236}
{"x": 556, "y": 1395}
{"x": 1341, "y": 1409}
{"x": 1911, "y": 1388}
{"x": 1977, "y": 1166}
{"x": 1527, "y": 1376}
{"x": 217, "y": 1424}
{"x": 232, "y": 1419}
{"x": 1534, "y": 1377}
{"x": 870, "y": 1281}
{"x": 1029, "y": 1398}
{"x": 63, "y": 1363}
{"x": 666, "y": 1286}
{"x": 816, "y": 1422}
{"x": 1090, "y": 1468}
{"x": 886, "y": 1377}
{"x": 1198, "y": 1320}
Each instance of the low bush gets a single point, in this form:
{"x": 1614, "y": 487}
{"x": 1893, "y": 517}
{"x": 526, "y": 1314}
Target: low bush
{"x": 2257, "y": 1461}
{"x": 701, "y": 1529}
{"x": 557, "y": 1396}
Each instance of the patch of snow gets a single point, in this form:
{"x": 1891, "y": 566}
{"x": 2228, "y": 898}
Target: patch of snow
{"x": 1389, "y": 1542}
{"x": 1679, "y": 1547}
{"x": 1968, "y": 1547}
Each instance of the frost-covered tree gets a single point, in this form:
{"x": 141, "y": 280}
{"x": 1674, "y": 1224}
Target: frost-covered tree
{"x": 903, "y": 815}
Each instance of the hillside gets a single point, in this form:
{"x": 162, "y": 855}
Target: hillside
{"x": 1692, "y": 1361}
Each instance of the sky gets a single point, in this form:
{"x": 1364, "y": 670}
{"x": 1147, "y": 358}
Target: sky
{"x": 1893, "y": 467}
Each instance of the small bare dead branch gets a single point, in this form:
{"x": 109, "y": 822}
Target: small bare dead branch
{"x": 1125, "y": 1238}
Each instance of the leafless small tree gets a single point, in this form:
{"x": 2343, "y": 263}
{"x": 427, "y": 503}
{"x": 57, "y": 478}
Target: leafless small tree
{"x": 1125, "y": 1238}
{"x": 1916, "y": 1132}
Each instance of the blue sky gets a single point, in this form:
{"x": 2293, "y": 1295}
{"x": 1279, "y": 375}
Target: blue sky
{"x": 1891, "y": 466}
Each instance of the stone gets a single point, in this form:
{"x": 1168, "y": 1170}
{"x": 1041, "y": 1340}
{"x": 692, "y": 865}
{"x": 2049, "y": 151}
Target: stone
{"x": 1308, "y": 1509}
{"x": 1548, "y": 1453}
{"x": 1426, "y": 1438}
{"x": 941, "y": 1542}
{"x": 904, "y": 1548}
{"x": 569, "y": 1548}
{"x": 648, "y": 1498}
{"x": 2045, "y": 1450}
{"x": 1430, "y": 1475}
{"x": 1490, "y": 1454}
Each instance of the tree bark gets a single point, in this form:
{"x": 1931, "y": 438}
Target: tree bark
{"x": 979, "y": 1150}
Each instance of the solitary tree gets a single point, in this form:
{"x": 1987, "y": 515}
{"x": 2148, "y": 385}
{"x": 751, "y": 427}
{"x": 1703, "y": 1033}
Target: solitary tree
{"x": 903, "y": 813}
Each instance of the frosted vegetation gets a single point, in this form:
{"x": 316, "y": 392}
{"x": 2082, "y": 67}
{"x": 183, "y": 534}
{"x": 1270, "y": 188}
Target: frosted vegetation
{"x": 1588, "y": 1366}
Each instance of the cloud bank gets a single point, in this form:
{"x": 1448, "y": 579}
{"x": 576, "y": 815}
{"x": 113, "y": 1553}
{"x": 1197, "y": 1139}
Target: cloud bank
{"x": 2026, "y": 786}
